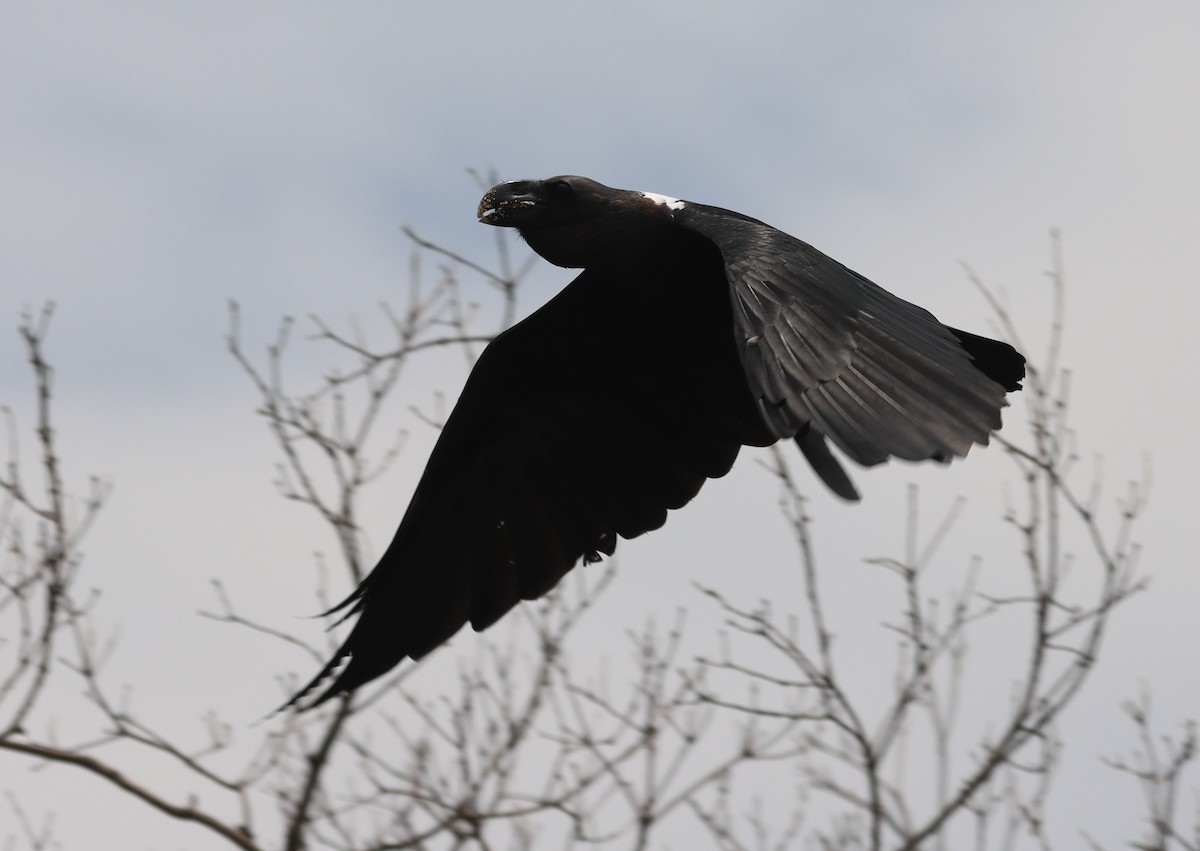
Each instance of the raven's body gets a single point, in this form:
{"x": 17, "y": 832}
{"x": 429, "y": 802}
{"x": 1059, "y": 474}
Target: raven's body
{"x": 691, "y": 331}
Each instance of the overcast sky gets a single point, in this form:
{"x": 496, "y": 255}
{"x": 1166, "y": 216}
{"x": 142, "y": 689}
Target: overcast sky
{"x": 157, "y": 160}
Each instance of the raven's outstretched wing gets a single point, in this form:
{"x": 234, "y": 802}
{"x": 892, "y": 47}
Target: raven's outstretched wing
{"x": 827, "y": 353}
{"x": 588, "y": 420}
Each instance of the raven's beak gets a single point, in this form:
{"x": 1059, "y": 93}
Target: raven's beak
{"x": 508, "y": 204}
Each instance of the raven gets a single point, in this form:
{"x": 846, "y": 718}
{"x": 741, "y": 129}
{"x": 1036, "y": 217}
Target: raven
{"x": 691, "y": 332}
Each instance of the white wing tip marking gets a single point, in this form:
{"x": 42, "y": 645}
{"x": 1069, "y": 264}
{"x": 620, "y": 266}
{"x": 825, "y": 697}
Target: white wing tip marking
{"x": 666, "y": 200}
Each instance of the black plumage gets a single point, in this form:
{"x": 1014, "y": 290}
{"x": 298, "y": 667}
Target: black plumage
{"x": 691, "y": 332}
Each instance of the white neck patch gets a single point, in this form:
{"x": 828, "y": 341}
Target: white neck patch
{"x": 666, "y": 200}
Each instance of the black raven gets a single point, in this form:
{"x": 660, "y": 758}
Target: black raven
{"x": 691, "y": 332}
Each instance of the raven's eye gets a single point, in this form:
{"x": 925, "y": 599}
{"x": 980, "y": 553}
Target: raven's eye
{"x": 560, "y": 190}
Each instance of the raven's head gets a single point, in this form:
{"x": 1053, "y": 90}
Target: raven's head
{"x": 576, "y": 222}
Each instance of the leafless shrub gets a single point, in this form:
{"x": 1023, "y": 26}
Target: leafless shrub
{"x": 523, "y": 748}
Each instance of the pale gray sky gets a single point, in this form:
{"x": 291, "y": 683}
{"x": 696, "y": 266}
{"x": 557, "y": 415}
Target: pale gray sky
{"x": 159, "y": 159}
